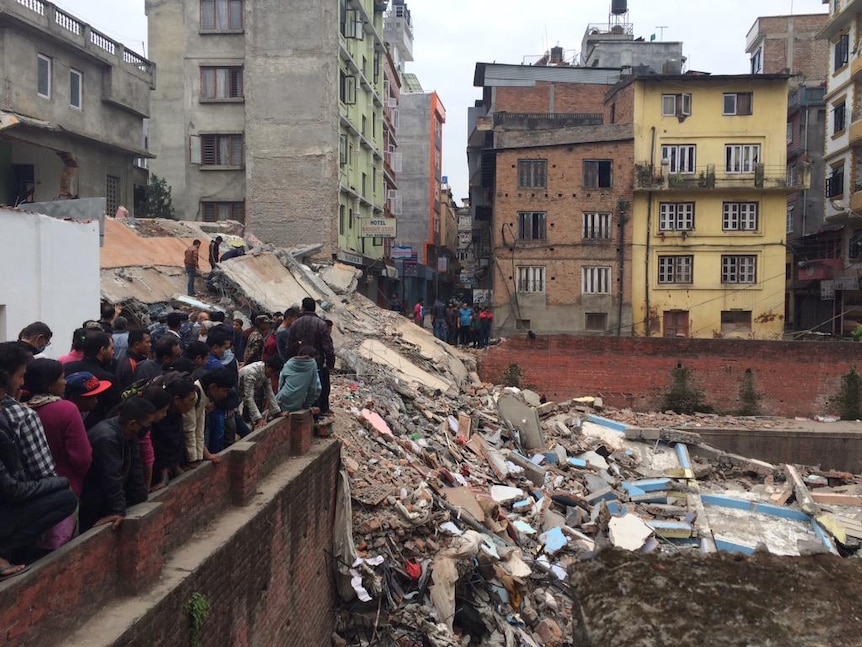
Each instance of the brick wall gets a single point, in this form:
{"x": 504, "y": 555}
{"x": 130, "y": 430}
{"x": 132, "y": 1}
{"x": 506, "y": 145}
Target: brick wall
{"x": 547, "y": 97}
{"x": 269, "y": 583}
{"x": 793, "y": 378}
{"x": 809, "y": 56}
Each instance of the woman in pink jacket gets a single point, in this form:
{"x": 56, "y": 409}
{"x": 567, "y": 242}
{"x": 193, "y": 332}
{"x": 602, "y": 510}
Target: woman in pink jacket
{"x": 44, "y": 386}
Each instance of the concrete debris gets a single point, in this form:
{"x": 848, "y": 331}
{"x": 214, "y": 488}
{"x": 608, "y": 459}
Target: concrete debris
{"x": 472, "y": 503}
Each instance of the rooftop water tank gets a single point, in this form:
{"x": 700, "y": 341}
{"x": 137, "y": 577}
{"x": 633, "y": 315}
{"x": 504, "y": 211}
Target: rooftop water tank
{"x": 619, "y": 6}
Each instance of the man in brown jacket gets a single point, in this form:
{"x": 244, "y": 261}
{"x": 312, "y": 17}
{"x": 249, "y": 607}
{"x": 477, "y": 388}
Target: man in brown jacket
{"x": 191, "y": 261}
{"x": 311, "y": 330}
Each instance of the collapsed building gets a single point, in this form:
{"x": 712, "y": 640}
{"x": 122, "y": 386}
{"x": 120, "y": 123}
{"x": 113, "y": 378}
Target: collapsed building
{"x": 471, "y": 513}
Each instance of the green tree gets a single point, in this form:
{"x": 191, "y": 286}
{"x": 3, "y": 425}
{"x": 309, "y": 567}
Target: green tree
{"x": 159, "y": 203}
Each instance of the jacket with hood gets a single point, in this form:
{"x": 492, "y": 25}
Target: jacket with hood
{"x": 298, "y": 384}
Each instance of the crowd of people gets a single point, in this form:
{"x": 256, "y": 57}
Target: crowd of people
{"x": 458, "y": 325}
{"x": 128, "y": 409}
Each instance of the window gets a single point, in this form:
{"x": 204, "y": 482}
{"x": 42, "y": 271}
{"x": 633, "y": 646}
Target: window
{"x": 531, "y": 279}
{"x": 735, "y": 321}
{"x": 842, "y": 51}
{"x": 741, "y": 158}
{"x": 789, "y": 133}
{"x": 839, "y": 117}
{"x": 739, "y": 216}
{"x": 790, "y": 210}
{"x": 676, "y": 216}
{"x": 76, "y": 88}
{"x": 341, "y": 220}
{"x": 597, "y": 226}
{"x": 215, "y": 211}
{"x": 737, "y": 103}
{"x": 347, "y": 90}
{"x": 596, "y": 280}
{"x": 531, "y": 225}
{"x": 675, "y": 323}
{"x": 221, "y": 83}
{"x": 680, "y": 158}
{"x": 221, "y": 150}
{"x": 738, "y": 269}
{"x": 221, "y": 15}
{"x": 112, "y": 195}
{"x": 596, "y": 321}
{"x": 532, "y": 174}
{"x": 675, "y": 269}
{"x": 597, "y": 174}
{"x": 342, "y": 149}
{"x": 757, "y": 62}
{"x": 676, "y": 105}
{"x": 43, "y": 81}
{"x": 835, "y": 183}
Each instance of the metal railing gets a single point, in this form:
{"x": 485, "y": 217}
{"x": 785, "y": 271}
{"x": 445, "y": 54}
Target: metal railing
{"x": 712, "y": 176}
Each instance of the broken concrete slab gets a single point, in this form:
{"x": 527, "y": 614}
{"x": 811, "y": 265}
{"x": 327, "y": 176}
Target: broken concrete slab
{"x": 462, "y": 497}
{"x": 628, "y": 532}
{"x": 522, "y": 417}
{"x": 379, "y": 353}
{"x": 342, "y": 278}
{"x": 503, "y": 494}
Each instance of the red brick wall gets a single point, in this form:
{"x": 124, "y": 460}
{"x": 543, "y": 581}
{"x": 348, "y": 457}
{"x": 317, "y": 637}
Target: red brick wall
{"x": 271, "y": 584}
{"x": 541, "y": 98}
{"x": 565, "y": 200}
{"x": 794, "y": 378}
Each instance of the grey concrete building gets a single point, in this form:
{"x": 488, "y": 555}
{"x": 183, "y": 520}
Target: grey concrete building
{"x": 271, "y": 113}
{"x": 420, "y": 136}
{"x": 74, "y": 104}
{"x": 789, "y": 45}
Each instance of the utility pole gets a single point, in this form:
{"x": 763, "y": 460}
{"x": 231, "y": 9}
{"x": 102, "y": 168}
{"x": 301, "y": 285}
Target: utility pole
{"x": 661, "y": 32}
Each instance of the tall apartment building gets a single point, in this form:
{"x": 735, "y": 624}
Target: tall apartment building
{"x": 275, "y": 116}
{"x": 420, "y": 135}
{"x": 839, "y": 265}
{"x": 788, "y": 44}
{"x": 73, "y": 109}
{"x": 710, "y": 202}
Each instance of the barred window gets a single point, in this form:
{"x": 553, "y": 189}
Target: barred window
{"x": 531, "y": 279}
{"x": 675, "y": 269}
{"x": 531, "y": 225}
{"x": 221, "y": 150}
{"x": 739, "y": 216}
{"x": 738, "y": 269}
{"x": 221, "y": 83}
{"x": 215, "y": 211}
{"x": 532, "y": 174}
{"x": 596, "y": 280}
{"x": 597, "y": 226}
{"x": 676, "y": 216}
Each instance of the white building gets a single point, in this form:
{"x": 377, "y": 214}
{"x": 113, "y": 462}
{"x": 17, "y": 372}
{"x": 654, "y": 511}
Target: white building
{"x": 50, "y": 271}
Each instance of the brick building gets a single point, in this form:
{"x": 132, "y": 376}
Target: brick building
{"x": 788, "y": 44}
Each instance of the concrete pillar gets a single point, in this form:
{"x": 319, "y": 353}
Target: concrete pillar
{"x": 243, "y": 468}
{"x": 141, "y": 551}
{"x": 301, "y": 426}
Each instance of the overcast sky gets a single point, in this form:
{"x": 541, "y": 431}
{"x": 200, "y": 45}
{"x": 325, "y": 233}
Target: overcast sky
{"x": 452, "y": 35}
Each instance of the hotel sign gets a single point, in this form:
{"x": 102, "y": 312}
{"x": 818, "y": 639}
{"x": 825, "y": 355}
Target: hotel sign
{"x": 378, "y": 227}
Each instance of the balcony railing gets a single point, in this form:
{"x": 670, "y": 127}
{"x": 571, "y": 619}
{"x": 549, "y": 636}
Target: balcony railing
{"x": 530, "y": 120}
{"x": 49, "y": 18}
{"x": 806, "y": 96}
{"x": 656, "y": 178}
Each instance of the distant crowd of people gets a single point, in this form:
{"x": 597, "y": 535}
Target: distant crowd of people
{"x": 128, "y": 409}
{"x": 462, "y": 325}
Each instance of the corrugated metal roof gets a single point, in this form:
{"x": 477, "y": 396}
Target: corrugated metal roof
{"x": 494, "y": 75}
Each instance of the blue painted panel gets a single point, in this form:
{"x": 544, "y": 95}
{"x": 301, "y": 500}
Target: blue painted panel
{"x": 607, "y": 422}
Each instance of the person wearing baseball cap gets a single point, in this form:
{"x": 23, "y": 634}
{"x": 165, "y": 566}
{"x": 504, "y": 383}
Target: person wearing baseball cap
{"x": 83, "y": 389}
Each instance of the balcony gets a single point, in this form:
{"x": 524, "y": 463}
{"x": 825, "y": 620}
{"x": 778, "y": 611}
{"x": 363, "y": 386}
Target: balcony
{"x": 820, "y": 269}
{"x": 806, "y": 96}
{"x": 762, "y": 178}
{"x": 856, "y": 66}
{"x": 856, "y": 200}
{"x": 478, "y": 137}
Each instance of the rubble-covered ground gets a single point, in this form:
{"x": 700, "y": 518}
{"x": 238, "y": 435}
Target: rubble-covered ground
{"x": 476, "y": 514}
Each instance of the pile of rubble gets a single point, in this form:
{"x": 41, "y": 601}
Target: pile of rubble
{"x": 464, "y": 508}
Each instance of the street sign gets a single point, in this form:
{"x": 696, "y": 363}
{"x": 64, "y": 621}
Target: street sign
{"x": 401, "y": 251}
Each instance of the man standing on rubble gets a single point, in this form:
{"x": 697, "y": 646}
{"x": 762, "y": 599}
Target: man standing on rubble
{"x": 311, "y": 330}
{"x": 191, "y": 262}
{"x": 214, "y": 251}
{"x": 438, "y": 319}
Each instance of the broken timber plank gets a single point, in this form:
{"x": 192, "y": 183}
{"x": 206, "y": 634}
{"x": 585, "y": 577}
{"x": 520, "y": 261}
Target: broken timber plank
{"x": 830, "y": 498}
{"x": 803, "y": 496}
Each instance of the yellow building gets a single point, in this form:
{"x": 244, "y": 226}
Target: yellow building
{"x": 709, "y": 211}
